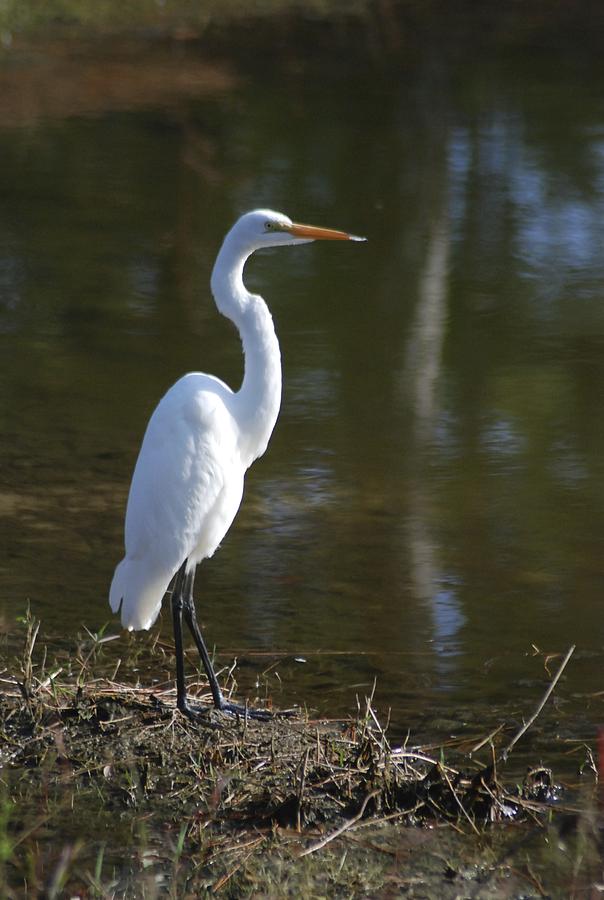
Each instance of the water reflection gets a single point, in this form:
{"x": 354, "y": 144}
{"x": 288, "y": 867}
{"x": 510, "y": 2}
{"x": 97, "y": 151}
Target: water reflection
{"x": 433, "y": 499}
{"x": 421, "y": 376}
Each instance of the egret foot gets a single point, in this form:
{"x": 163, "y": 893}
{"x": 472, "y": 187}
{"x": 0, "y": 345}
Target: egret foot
{"x": 246, "y": 712}
{"x": 235, "y": 709}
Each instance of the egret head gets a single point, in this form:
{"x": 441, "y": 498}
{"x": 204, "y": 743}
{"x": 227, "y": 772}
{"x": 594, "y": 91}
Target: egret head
{"x": 267, "y": 228}
{"x": 253, "y": 231}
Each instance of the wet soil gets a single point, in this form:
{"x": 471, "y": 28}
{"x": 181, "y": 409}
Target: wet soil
{"x": 108, "y": 791}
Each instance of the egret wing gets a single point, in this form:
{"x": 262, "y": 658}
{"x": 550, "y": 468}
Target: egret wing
{"x": 183, "y": 469}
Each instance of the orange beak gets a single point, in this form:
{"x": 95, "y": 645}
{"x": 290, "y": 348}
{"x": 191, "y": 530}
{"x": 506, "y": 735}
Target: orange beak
{"x": 311, "y": 232}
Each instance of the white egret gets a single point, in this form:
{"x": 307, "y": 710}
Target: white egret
{"x": 200, "y": 440}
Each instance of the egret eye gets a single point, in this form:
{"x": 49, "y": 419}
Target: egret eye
{"x": 268, "y": 226}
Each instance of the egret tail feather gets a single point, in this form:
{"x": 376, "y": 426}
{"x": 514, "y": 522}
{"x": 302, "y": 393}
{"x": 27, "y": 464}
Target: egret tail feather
{"x": 139, "y": 591}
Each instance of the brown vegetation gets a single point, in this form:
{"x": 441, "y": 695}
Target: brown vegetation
{"x": 107, "y": 786}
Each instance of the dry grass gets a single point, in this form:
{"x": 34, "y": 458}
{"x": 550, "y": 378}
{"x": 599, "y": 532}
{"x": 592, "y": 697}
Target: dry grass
{"x": 107, "y": 786}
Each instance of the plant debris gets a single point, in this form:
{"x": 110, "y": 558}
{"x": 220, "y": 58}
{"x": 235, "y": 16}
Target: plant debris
{"x": 133, "y": 786}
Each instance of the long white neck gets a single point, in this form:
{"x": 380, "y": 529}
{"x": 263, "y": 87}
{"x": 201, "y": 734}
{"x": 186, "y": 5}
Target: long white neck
{"x": 258, "y": 400}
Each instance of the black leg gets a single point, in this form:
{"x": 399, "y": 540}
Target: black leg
{"x": 190, "y": 617}
{"x": 177, "y": 605}
{"x": 183, "y": 606}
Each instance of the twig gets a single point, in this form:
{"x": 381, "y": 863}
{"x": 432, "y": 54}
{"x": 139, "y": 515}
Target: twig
{"x": 544, "y": 700}
{"x": 33, "y": 627}
{"x": 303, "y": 765}
{"x": 399, "y": 814}
{"x": 485, "y": 740}
{"x": 459, "y": 803}
{"x": 228, "y": 875}
{"x": 398, "y": 753}
{"x": 48, "y": 681}
{"x": 347, "y": 824}
{"x": 381, "y": 730}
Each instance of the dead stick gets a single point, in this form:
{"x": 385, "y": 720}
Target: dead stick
{"x": 486, "y": 740}
{"x": 544, "y": 700}
{"x": 458, "y": 801}
{"x": 347, "y": 824}
{"x": 303, "y": 766}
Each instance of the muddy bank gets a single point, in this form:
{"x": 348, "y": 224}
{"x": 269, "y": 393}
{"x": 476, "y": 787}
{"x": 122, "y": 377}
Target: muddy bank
{"x": 108, "y": 791}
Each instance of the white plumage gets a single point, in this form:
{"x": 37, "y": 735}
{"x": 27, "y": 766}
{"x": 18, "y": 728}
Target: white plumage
{"x": 185, "y": 492}
{"x": 202, "y": 437}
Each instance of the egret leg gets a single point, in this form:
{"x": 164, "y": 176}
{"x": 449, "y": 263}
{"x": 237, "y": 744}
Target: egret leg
{"x": 190, "y": 617}
{"x": 183, "y": 606}
{"x": 177, "y": 605}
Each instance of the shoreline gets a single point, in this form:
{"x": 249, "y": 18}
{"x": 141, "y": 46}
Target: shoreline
{"x": 135, "y": 789}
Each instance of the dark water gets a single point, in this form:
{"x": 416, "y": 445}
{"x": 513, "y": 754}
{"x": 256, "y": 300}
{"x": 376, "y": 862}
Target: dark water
{"x": 431, "y": 507}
